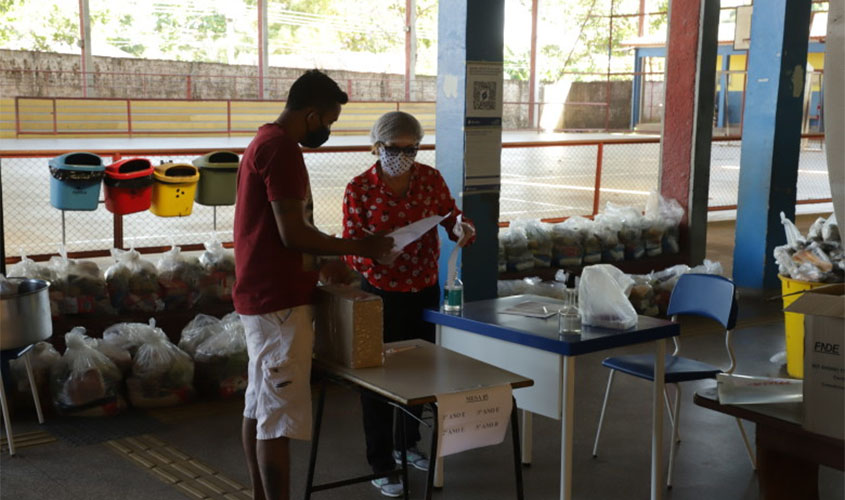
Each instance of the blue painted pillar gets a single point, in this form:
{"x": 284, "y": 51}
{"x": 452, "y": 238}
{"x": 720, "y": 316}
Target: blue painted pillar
{"x": 771, "y": 136}
{"x": 469, "y": 130}
{"x": 723, "y": 90}
{"x": 636, "y": 89}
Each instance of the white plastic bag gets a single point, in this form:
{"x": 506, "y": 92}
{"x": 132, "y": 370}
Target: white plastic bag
{"x": 567, "y": 244}
{"x": 793, "y": 236}
{"x": 162, "y": 374}
{"x": 28, "y": 268}
{"x": 78, "y": 286}
{"x": 197, "y": 331}
{"x": 85, "y": 381}
{"x": 519, "y": 256}
{"x": 221, "y": 360}
{"x": 130, "y": 336}
{"x": 219, "y": 272}
{"x": 42, "y": 358}
{"x": 179, "y": 278}
{"x": 631, "y": 230}
{"x": 607, "y": 229}
{"x": 133, "y": 282}
{"x": 603, "y": 295}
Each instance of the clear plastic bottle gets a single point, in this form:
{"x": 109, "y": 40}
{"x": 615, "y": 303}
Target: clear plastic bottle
{"x": 569, "y": 317}
{"x": 453, "y": 296}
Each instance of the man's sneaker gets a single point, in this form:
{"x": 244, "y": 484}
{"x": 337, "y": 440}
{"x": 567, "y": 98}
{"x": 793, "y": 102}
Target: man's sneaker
{"x": 415, "y": 458}
{"x": 389, "y": 486}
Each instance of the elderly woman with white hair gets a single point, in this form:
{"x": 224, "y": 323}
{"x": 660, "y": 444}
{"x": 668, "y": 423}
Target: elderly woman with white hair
{"x": 394, "y": 192}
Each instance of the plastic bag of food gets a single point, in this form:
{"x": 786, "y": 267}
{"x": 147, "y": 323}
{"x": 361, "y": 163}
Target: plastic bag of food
{"x": 589, "y": 240}
{"x": 162, "y": 374}
{"x": 85, "y": 382}
{"x": 519, "y": 256}
{"x": 118, "y": 355}
{"x": 607, "y": 230}
{"x": 783, "y": 257}
{"x": 221, "y": 361}
{"x": 708, "y": 267}
{"x": 197, "y": 331}
{"x": 830, "y": 230}
{"x": 642, "y": 295}
{"x": 79, "y": 286}
{"x": 631, "y": 230}
{"x": 130, "y": 336}
{"x": 553, "y": 289}
{"x": 506, "y": 288}
{"x": 539, "y": 240}
{"x": 567, "y": 246}
{"x": 133, "y": 283}
{"x": 42, "y": 357}
{"x": 179, "y": 278}
{"x": 28, "y": 268}
{"x": 793, "y": 235}
{"x": 603, "y": 297}
{"x": 669, "y": 213}
{"x": 219, "y": 271}
{"x": 815, "y": 231}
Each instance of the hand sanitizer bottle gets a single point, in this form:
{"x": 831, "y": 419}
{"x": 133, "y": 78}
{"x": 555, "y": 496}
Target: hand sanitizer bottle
{"x": 453, "y": 300}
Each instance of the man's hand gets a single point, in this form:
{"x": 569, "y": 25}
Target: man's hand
{"x": 375, "y": 247}
{"x": 335, "y": 272}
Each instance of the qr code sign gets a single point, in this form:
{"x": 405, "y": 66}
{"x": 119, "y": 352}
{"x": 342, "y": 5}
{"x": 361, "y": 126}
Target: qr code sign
{"x": 484, "y": 95}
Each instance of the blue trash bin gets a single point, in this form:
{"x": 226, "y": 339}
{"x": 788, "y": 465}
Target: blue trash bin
{"x": 75, "y": 181}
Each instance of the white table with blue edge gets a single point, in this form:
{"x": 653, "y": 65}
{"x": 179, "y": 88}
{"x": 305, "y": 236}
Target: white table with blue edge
{"x": 532, "y": 347}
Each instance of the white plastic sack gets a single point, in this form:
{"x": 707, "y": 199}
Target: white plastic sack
{"x": 603, "y": 298}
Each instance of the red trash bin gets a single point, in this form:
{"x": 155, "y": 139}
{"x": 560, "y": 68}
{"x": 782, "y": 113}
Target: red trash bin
{"x": 129, "y": 186}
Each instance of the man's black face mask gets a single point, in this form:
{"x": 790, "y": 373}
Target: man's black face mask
{"x": 316, "y": 138}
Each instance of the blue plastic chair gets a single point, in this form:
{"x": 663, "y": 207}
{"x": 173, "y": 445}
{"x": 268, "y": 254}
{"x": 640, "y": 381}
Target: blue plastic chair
{"x": 703, "y": 295}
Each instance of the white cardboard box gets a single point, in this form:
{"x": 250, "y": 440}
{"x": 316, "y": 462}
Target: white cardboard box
{"x": 348, "y": 327}
{"x": 824, "y": 359}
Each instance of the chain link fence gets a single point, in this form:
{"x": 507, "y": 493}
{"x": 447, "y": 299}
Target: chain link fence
{"x": 538, "y": 181}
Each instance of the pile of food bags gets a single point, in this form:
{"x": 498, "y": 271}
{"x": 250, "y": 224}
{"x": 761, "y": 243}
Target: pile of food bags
{"x": 161, "y": 374}
{"x": 218, "y": 265}
{"x": 179, "y": 277}
{"x": 618, "y": 233}
{"x": 85, "y": 382}
{"x": 133, "y": 283}
{"x": 218, "y": 348}
{"x": 818, "y": 257}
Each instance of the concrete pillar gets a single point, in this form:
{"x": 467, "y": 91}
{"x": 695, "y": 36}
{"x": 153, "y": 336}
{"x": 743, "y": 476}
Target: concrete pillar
{"x": 771, "y": 136}
{"x": 263, "y": 50}
{"x": 87, "y": 62}
{"x": 688, "y": 117}
{"x": 834, "y": 107}
{"x": 469, "y": 129}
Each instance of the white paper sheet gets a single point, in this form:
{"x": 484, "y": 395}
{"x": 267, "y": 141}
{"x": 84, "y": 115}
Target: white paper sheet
{"x": 472, "y": 419}
{"x": 746, "y": 390}
{"x": 406, "y": 235}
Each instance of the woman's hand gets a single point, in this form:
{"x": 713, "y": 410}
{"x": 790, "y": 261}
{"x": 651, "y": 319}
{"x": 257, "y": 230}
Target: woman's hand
{"x": 468, "y": 233}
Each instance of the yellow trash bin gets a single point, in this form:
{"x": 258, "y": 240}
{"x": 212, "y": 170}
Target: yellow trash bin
{"x": 794, "y": 324}
{"x": 173, "y": 190}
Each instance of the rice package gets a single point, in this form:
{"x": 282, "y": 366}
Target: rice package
{"x": 630, "y": 229}
{"x": 221, "y": 360}
{"x": 567, "y": 246}
{"x": 519, "y": 256}
{"x": 85, "y": 382}
{"x": 218, "y": 265}
{"x": 539, "y": 238}
{"x": 78, "y": 286}
{"x": 162, "y": 374}
{"x": 133, "y": 283}
{"x": 179, "y": 277}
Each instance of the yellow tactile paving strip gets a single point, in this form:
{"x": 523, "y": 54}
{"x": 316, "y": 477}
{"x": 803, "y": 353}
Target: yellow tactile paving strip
{"x": 26, "y": 440}
{"x": 190, "y": 476}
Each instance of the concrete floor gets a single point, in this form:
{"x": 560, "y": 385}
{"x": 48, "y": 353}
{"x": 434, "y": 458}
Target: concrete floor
{"x": 711, "y": 461}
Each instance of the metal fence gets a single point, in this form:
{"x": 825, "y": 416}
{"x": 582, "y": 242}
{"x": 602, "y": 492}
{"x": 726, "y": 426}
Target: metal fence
{"x": 549, "y": 180}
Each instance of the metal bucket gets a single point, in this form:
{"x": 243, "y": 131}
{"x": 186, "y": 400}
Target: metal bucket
{"x": 25, "y": 316}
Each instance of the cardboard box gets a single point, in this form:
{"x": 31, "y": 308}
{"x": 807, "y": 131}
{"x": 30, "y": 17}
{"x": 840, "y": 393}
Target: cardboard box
{"x": 349, "y": 327}
{"x": 824, "y": 359}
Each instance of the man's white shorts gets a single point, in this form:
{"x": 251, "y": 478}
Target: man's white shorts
{"x": 279, "y": 345}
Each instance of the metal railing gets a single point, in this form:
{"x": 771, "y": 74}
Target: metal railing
{"x": 546, "y": 180}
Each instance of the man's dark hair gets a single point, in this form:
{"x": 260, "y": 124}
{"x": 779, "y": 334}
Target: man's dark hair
{"x": 315, "y": 88}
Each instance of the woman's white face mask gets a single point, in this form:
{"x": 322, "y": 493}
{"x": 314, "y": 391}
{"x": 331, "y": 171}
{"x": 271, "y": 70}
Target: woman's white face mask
{"x": 396, "y": 161}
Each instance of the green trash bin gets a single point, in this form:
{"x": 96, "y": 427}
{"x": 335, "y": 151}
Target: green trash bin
{"x": 218, "y": 178}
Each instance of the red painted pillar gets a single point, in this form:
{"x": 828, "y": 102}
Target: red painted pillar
{"x": 688, "y": 116}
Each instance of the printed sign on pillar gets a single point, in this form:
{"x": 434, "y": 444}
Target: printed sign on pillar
{"x": 483, "y": 126}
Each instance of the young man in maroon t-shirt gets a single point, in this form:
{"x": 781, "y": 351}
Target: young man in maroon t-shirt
{"x": 275, "y": 240}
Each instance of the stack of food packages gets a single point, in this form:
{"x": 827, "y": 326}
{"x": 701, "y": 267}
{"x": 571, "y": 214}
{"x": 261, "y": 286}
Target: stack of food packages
{"x": 618, "y": 233}
{"x": 649, "y": 294}
{"x": 133, "y": 284}
{"x": 818, "y": 257}
{"x": 160, "y": 374}
{"x": 218, "y": 348}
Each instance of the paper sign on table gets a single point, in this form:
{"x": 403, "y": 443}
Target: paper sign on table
{"x": 473, "y": 419}
{"x": 406, "y": 235}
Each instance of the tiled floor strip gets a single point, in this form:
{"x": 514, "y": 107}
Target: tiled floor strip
{"x": 193, "y": 478}
{"x": 27, "y": 439}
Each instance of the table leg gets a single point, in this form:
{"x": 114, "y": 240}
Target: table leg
{"x": 435, "y": 463}
{"x": 404, "y": 431}
{"x": 782, "y": 475}
{"x": 527, "y": 436}
{"x": 657, "y": 420}
{"x": 10, "y": 438}
{"x": 567, "y": 419}
{"x": 318, "y": 420}
{"x": 517, "y": 459}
